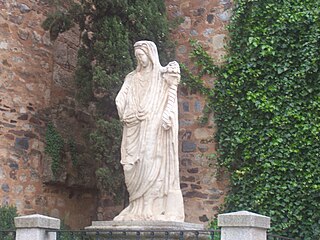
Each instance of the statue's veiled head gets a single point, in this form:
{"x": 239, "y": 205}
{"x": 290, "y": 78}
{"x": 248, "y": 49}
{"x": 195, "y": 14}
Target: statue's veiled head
{"x": 150, "y": 50}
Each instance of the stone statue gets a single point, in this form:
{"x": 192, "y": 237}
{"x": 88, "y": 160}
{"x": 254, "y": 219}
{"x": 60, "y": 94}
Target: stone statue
{"x": 147, "y": 106}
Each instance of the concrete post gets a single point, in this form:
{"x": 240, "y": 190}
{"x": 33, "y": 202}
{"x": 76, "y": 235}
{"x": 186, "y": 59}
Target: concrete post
{"x": 34, "y": 227}
{"x": 243, "y": 225}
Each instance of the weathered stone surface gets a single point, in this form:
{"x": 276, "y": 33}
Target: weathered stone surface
{"x": 193, "y": 33}
{"x": 185, "y": 122}
{"x": 5, "y": 187}
{"x": 35, "y": 120}
{"x": 210, "y": 18}
{"x": 186, "y": 162}
{"x": 225, "y": 16}
{"x": 243, "y": 219}
{"x": 188, "y": 179}
{"x": 60, "y": 54}
{"x": 36, "y": 37}
{"x": 196, "y": 194}
{"x": 182, "y": 49}
{"x": 185, "y": 106}
{"x": 207, "y": 32}
{"x": 188, "y": 146}
{"x": 4, "y": 45}
{"x": 204, "y": 218}
{"x": 183, "y": 185}
{"x": 13, "y": 174}
{"x": 23, "y": 117}
{"x": 195, "y": 186}
{"x": 18, "y": 189}
{"x": 197, "y": 106}
{"x": 187, "y": 23}
{"x": 199, "y": 12}
{"x": 62, "y": 77}
{"x": 16, "y": 19}
{"x": 193, "y": 170}
{"x": 37, "y": 221}
{"x": 9, "y": 136}
{"x": 22, "y": 143}
{"x": 218, "y": 41}
{"x": 186, "y": 135}
{"x": 203, "y": 148}
{"x": 23, "y": 8}
{"x": 203, "y": 133}
{"x": 4, "y": 30}
{"x": 144, "y": 225}
{"x": 14, "y": 166}
{"x": 2, "y": 175}
{"x": 83, "y": 117}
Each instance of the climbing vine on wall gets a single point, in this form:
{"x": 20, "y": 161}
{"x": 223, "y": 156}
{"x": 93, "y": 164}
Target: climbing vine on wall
{"x": 109, "y": 28}
{"x": 266, "y": 104}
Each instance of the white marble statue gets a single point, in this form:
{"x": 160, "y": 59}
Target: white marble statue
{"x": 147, "y": 106}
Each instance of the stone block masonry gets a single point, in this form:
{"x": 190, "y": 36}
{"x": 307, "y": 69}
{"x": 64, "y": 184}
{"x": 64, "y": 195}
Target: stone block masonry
{"x": 37, "y": 87}
{"x": 203, "y": 186}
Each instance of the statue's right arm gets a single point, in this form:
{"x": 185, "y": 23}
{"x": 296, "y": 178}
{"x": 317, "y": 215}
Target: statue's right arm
{"x": 121, "y": 98}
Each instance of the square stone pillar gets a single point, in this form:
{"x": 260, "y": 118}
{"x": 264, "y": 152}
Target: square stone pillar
{"x": 243, "y": 225}
{"x": 34, "y": 227}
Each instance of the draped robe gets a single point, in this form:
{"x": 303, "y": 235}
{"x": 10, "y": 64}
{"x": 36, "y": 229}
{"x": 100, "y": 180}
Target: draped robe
{"x": 149, "y": 152}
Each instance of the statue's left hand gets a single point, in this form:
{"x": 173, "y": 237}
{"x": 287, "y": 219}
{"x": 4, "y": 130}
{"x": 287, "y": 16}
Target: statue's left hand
{"x": 166, "y": 122}
{"x": 172, "y": 78}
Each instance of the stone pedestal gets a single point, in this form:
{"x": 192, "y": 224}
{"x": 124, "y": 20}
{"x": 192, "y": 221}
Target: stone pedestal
{"x": 156, "y": 230}
{"x": 243, "y": 225}
{"x": 144, "y": 226}
{"x": 34, "y": 227}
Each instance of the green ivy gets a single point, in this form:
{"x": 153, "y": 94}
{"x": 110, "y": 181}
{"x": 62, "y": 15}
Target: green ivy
{"x": 54, "y": 148}
{"x": 266, "y": 105}
{"x": 195, "y": 79}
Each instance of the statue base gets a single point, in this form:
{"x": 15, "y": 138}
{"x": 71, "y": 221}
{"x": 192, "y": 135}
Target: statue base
{"x": 144, "y": 226}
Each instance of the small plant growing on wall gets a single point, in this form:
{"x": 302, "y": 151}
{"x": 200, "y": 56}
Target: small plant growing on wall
{"x": 7, "y": 215}
{"x": 54, "y": 147}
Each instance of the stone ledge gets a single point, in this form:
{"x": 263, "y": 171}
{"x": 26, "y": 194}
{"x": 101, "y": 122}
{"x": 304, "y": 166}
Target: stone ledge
{"x": 243, "y": 219}
{"x": 37, "y": 221}
{"x": 144, "y": 225}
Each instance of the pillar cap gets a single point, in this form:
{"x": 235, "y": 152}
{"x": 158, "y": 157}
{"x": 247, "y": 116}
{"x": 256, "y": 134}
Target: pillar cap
{"x": 37, "y": 221}
{"x": 243, "y": 219}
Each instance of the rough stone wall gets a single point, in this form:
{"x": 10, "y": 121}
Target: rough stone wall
{"x": 36, "y": 87}
{"x": 202, "y": 184}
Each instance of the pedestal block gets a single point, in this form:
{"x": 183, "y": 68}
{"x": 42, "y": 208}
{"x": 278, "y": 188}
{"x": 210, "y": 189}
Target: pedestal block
{"x": 34, "y": 227}
{"x": 243, "y": 225}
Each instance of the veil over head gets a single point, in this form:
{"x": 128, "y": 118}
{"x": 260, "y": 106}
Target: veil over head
{"x": 151, "y": 50}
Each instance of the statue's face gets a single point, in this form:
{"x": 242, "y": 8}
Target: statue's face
{"x": 142, "y": 57}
